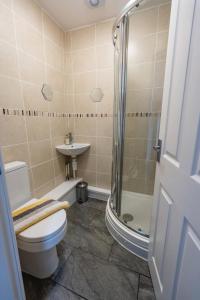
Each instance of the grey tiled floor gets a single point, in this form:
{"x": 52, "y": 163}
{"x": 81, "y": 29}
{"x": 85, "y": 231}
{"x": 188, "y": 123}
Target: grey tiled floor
{"x": 92, "y": 265}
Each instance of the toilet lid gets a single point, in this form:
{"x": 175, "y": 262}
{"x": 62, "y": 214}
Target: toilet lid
{"x": 44, "y": 229}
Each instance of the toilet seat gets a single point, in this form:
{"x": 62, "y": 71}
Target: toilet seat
{"x": 45, "y": 234}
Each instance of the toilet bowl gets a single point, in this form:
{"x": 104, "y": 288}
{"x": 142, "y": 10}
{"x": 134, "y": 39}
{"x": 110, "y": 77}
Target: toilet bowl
{"x": 37, "y": 244}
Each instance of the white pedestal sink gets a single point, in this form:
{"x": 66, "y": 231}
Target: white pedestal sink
{"x": 73, "y": 150}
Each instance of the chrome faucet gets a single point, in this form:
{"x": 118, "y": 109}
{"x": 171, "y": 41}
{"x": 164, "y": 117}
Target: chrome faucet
{"x": 68, "y": 138}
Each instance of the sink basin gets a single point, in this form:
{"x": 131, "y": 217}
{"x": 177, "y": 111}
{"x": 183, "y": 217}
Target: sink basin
{"x": 73, "y": 149}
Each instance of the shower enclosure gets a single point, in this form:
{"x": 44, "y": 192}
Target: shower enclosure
{"x": 137, "y": 108}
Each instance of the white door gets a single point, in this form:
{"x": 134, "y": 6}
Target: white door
{"x": 11, "y": 284}
{"x": 174, "y": 256}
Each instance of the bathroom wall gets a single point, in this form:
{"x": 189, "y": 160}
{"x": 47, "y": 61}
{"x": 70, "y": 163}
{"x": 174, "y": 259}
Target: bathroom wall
{"x": 31, "y": 53}
{"x": 89, "y": 64}
{"x": 148, "y": 37}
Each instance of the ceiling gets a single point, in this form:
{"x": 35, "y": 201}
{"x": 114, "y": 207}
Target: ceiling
{"x": 75, "y": 13}
{"x": 71, "y": 14}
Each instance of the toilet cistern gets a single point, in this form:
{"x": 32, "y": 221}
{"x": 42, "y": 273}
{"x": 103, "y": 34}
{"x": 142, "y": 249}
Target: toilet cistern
{"x": 73, "y": 150}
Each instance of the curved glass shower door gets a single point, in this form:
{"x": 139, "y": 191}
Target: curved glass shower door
{"x": 140, "y": 50}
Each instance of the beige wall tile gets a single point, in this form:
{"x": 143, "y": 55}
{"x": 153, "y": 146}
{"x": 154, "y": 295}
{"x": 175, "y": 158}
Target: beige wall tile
{"x": 68, "y": 63}
{"x": 132, "y": 169}
{"x": 106, "y": 104}
{"x": 12, "y": 130}
{"x": 69, "y": 84}
{"x": 103, "y": 32}
{"x": 104, "y": 146}
{"x": 87, "y": 139}
{"x": 150, "y": 167}
{"x": 43, "y": 133}
{"x": 140, "y": 76}
{"x": 59, "y": 166}
{"x": 68, "y": 41}
{"x": 54, "y": 55}
{"x": 85, "y": 127}
{"x": 87, "y": 162}
{"x": 6, "y": 25}
{"x": 164, "y": 17}
{"x": 52, "y": 31}
{"x": 42, "y": 174}
{"x": 58, "y": 140}
{"x": 8, "y": 60}
{"x": 138, "y": 169}
{"x": 84, "y": 82}
{"x": 144, "y": 22}
{"x": 10, "y": 93}
{"x": 83, "y": 38}
{"x": 55, "y": 79}
{"x": 136, "y": 128}
{"x": 40, "y": 151}
{"x": 30, "y": 11}
{"x": 37, "y": 128}
{"x": 138, "y": 148}
{"x": 104, "y": 180}
{"x": 60, "y": 179}
{"x": 84, "y": 104}
{"x": 29, "y": 39}
{"x": 31, "y": 69}
{"x": 58, "y": 127}
{"x": 161, "y": 49}
{"x": 104, "y": 164}
{"x": 104, "y": 127}
{"x": 88, "y": 176}
{"x": 15, "y": 152}
{"x": 159, "y": 74}
{"x": 105, "y": 79}
{"x": 135, "y": 185}
{"x": 142, "y": 49}
{"x": 33, "y": 98}
{"x": 139, "y": 101}
{"x": 153, "y": 127}
{"x": 69, "y": 103}
{"x": 6, "y": 2}
{"x": 105, "y": 56}
{"x": 70, "y": 125}
{"x": 157, "y": 99}
{"x": 57, "y": 104}
{"x": 84, "y": 60}
{"x": 44, "y": 189}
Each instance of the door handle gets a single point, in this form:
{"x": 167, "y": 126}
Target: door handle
{"x": 158, "y": 148}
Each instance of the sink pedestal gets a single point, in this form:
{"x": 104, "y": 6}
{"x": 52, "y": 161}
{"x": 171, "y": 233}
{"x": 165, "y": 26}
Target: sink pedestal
{"x": 74, "y": 166}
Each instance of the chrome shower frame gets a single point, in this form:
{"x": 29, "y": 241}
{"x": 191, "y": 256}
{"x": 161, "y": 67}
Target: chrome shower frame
{"x": 121, "y": 24}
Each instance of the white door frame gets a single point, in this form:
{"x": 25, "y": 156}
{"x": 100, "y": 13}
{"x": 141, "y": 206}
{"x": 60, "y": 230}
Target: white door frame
{"x": 11, "y": 283}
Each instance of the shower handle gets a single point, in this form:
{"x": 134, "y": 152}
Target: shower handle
{"x": 158, "y": 148}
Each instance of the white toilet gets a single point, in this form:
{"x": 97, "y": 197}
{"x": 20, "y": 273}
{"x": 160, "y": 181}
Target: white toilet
{"x": 37, "y": 244}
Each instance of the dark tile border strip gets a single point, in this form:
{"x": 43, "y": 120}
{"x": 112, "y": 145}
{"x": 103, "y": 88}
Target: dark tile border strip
{"x": 36, "y": 113}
